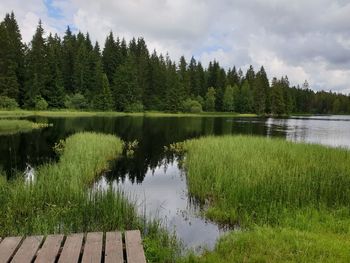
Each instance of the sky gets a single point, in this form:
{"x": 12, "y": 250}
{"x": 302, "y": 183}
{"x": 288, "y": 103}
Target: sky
{"x": 306, "y": 40}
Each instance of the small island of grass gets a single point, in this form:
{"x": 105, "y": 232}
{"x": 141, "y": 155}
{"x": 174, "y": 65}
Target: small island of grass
{"x": 289, "y": 200}
{"x": 15, "y": 126}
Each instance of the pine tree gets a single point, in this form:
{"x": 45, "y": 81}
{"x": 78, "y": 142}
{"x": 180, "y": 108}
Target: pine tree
{"x": 125, "y": 85}
{"x": 155, "y": 91}
{"x": 68, "y": 58}
{"x": 228, "y": 101}
{"x": 37, "y": 70}
{"x": 246, "y": 98}
{"x": 103, "y": 100}
{"x": 54, "y": 91}
{"x": 183, "y": 76}
{"x": 110, "y": 56}
{"x": 276, "y": 97}
{"x": 210, "y": 99}
{"x": 15, "y": 54}
{"x": 260, "y": 90}
{"x": 9, "y": 86}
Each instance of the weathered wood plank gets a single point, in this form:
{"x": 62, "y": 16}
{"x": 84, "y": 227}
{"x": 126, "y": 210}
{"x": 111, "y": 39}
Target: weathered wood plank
{"x": 114, "y": 248}
{"x": 28, "y": 249}
{"x": 134, "y": 248}
{"x": 71, "y": 249}
{"x": 8, "y": 247}
{"x": 93, "y": 248}
{"x": 50, "y": 249}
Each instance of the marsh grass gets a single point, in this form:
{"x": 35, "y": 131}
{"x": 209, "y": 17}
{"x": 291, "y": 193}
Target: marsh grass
{"x": 266, "y": 244}
{"x": 291, "y": 200}
{"x": 259, "y": 180}
{"x": 16, "y": 126}
{"x": 61, "y": 199}
{"x": 154, "y": 114}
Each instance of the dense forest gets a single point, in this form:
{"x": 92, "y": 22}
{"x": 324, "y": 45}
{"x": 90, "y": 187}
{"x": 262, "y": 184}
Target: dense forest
{"x": 72, "y": 72}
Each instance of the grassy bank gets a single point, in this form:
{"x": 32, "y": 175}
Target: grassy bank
{"x": 15, "y": 126}
{"x": 274, "y": 245}
{"x": 68, "y": 113}
{"x": 60, "y": 199}
{"x": 252, "y": 179}
{"x": 298, "y": 194}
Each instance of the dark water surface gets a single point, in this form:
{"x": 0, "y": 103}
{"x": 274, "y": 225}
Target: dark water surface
{"x": 150, "y": 176}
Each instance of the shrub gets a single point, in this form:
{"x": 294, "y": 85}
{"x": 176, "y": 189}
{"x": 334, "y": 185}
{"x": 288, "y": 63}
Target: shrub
{"x": 134, "y": 107}
{"x": 192, "y": 106}
{"x": 77, "y": 101}
{"x": 8, "y": 103}
{"x": 40, "y": 103}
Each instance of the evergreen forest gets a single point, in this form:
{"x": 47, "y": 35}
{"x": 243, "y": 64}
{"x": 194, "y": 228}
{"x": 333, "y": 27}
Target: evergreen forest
{"x": 53, "y": 72}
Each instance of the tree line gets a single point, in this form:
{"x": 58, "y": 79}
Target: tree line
{"x": 72, "y": 72}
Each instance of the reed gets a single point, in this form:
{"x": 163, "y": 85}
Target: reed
{"x": 61, "y": 199}
{"x": 15, "y": 126}
{"x": 259, "y": 180}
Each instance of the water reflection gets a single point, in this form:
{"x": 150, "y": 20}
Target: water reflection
{"x": 163, "y": 194}
{"x": 153, "y": 176}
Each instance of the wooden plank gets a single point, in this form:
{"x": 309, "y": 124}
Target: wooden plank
{"x": 28, "y": 249}
{"x": 50, "y": 249}
{"x": 93, "y": 248}
{"x": 8, "y": 247}
{"x": 134, "y": 248}
{"x": 71, "y": 249}
{"x": 114, "y": 248}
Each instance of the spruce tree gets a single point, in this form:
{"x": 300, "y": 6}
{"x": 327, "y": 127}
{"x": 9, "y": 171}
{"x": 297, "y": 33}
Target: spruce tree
{"x": 125, "y": 85}
{"x": 54, "y": 91}
{"x": 9, "y": 86}
{"x": 210, "y": 99}
{"x": 15, "y": 54}
{"x": 228, "y": 101}
{"x": 68, "y": 58}
{"x": 37, "y": 70}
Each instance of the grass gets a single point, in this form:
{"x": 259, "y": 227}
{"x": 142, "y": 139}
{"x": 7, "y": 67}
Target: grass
{"x": 15, "y": 126}
{"x": 71, "y": 113}
{"x": 254, "y": 179}
{"x": 294, "y": 197}
{"x": 60, "y": 200}
{"x": 266, "y": 244}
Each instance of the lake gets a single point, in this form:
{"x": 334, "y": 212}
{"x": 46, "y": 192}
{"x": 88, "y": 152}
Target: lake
{"x": 151, "y": 176}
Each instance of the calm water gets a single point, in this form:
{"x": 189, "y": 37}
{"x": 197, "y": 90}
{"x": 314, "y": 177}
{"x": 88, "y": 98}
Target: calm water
{"x": 152, "y": 177}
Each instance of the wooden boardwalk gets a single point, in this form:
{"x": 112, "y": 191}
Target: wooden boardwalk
{"x": 91, "y": 247}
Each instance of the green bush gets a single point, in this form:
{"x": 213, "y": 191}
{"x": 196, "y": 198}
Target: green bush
{"x": 77, "y": 101}
{"x": 192, "y": 106}
{"x": 40, "y": 103}
{"x": 8, "y": 103}
{"x": 134, "y": 107}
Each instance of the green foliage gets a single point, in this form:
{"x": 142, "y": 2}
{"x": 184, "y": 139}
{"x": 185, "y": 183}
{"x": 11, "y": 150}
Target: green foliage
{"x": 284, "y": 245}
{"x": 53, "y": 68}
{"x": 210, "y": 99}
{"x": 16, "y": 126}
{"x": 228, "y": 101}
{"x": 77, "y": 101}
{"x": 293, "y": 196}
{"x": 235, "y": 178}
{"x": 191, "y": 106}
{"x": 8, "y": 103}
{"x": 134, "y": 107}
{"x": 40, "y": 103}
{"x": 103, "y": 99}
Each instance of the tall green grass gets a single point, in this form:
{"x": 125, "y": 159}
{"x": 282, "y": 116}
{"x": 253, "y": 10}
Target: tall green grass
{"x": 290, "y": 201}
{"x": 275, "y": 245}
{"x": 61, "y": 199}
{"x": 15, "y": 126}
{"x": 73, "y": 113}
{"x": 259, "y": 180}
